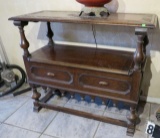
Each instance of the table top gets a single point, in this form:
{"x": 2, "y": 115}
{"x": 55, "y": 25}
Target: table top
{"x": 121, "y": 19}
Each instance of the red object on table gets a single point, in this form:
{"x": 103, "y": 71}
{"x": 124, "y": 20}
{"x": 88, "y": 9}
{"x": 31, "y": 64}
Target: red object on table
{"x": 94, "y": 3}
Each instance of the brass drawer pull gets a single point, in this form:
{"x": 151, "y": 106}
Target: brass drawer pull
{"x": 50, "y": 74}
{"x": 103, "y": 83}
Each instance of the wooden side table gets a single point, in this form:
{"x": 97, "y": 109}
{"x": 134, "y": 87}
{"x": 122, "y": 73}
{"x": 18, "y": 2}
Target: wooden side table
{"x": 108, "y": 74}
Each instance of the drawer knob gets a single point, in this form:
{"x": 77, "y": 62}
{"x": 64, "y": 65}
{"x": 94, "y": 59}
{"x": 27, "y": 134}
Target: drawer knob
{"x": 103, "y": 83}
{"x": 50, "y": 74}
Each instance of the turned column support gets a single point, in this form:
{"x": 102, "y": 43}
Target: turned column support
{"x": 132, "y": 118}
{"x": 23, "y": 43}
{"x": 35, "y": 95}
{"x": 50, "y": 34}
{"x": 146, "y": 42}
{"x": 140, "y": 53}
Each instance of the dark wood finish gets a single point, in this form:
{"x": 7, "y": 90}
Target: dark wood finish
{"x": 81, "y": 113}
{"x": 121, "y": 19}
{"x": 139, "y": 56}
{"x": 35, "y": 95}
{"x": 115, "y": 61}
{"x": 47, "y": 96}
{"x": 24, "y": 43}
{"x": 108, "y": 74}
{"x": 132, "y": 118}
{"x": 50, "y": 34}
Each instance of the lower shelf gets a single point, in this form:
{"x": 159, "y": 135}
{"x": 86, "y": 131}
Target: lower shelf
{"x": 42, "y": 104}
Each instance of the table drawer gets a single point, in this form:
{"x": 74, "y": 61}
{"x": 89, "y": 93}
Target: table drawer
{"x": 52, "y": 74}
{"x": 105, "y": 84}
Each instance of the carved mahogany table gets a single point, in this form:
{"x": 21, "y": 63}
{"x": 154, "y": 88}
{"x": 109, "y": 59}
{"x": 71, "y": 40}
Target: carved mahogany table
{"x": 107, "y": 74}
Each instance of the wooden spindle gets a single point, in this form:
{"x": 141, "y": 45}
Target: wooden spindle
{"x": 50, "y": 34}
{"x": 24, "y": 42}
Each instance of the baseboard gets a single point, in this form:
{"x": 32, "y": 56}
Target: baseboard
{"x": 150, "y": 99}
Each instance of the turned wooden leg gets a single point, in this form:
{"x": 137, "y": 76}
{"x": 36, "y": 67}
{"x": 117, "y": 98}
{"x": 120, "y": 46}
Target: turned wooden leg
{"x": 132, "y": 118}
{"x": 35, "y": 95}
{"x": 24, "y": 42}
{"x": 50, "y": 34}
{"x": 146, "y": 42}
{"x": 140, "y": 53}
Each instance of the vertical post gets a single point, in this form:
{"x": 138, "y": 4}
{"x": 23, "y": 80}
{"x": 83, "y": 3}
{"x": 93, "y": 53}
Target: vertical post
{"x": 146, "y": 42}
{"x": 50, "y": 34}
{"x": 140, "y": 53}
{"x": 35, "y": 95}
{"x": 23, "y": 43}
{"x": 132, "y": 118}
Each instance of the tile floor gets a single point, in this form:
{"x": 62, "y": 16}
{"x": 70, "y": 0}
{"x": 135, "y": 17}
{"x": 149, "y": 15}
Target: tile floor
{"x": 17, "y": 120}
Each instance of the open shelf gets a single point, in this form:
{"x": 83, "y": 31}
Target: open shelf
{"x": 91, "y": 58}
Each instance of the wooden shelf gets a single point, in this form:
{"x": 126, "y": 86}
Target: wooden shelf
{"x": 91, "y": 58}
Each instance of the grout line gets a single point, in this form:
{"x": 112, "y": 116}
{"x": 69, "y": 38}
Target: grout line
{"x": 16, "y": 110}
{"x": 82, "y": 107}
{"x": 52, "y": 120}
{"x": 22, "y": 128}
{"x": 98, "y": 125}
{"x": 49, "y": 136}
{"x": 41, "y": 133}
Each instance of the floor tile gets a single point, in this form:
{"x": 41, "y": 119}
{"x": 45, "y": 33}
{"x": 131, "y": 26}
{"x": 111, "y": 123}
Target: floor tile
{"x": 154, "y": 109}
{"x": 46, "y": 136}
{"x": 9, "y": 104}
{"x": 26, "y": 118}
{"x": 139, "y": 134}
{"x": 7, "y": 131}
{"x": 144, "y": 110}
{"x": 24, "y": 86}
{"x": 142, "y": 125}
{"x": 113, "y": 131}
{"x": 70, "y": 126}
{"x": 106, "y": 130}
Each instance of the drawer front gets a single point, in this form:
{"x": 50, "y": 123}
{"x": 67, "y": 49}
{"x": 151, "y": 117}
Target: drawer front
{"x": 105, "y": 84}
{"x": 52, "y": 74}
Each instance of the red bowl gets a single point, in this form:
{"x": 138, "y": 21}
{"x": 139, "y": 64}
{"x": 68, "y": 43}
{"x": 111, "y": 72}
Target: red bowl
{"x": 93, "y": 3}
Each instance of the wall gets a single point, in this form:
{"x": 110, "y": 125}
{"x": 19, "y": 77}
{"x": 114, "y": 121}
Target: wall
{"x": 35, "y": 33}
